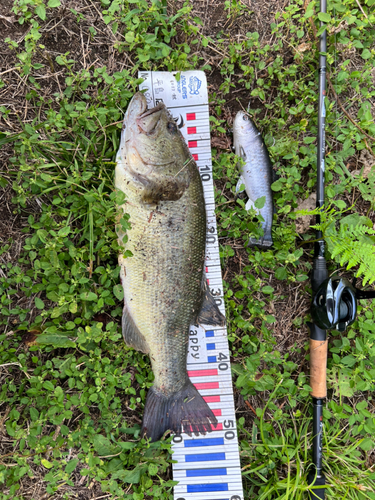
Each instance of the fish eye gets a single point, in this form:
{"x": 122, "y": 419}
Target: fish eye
{"x": 172, "y": 127}
{"x": 246, "y": 118}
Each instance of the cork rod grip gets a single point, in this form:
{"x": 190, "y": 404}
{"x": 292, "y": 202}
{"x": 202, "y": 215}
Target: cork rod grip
{"x": 318, "y": 368}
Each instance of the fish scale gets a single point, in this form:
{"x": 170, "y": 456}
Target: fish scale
{"x": 205, "y": 465}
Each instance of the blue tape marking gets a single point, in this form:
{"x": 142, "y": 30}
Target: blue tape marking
{"x": 204, "y": 457}
{"x": 196, "y": 488}
{"x": 190, "y": 443}
{"x": 206, "y": 472}
{"x": 210, "y": 347}
{"x": 211, "y": 359}
{"x": 210, "y": 333}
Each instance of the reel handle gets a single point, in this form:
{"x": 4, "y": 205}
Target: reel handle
{"x": 318, "y": 361}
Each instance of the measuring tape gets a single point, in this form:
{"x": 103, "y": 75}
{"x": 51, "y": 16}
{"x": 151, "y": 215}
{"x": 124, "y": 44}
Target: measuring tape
{"x": 205, "y": 464}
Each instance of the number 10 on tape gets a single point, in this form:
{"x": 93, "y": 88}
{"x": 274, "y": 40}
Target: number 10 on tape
{"x": 207, "y": 467}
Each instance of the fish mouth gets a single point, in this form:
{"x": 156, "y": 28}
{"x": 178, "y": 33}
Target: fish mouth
{"x": 244, "y": 128}
{"x": 148, "y": 112}
{"x": 137, "y": 106}
{"x": 148, "y": 120}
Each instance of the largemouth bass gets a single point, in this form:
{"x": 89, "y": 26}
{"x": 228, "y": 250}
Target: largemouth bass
{"x": 256, "y": 174}
{"x": 165, "y": 289}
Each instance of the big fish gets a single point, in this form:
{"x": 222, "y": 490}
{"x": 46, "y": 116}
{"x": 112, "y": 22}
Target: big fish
{"x": 256, "y": 173}
{"x": 165, "y": 288}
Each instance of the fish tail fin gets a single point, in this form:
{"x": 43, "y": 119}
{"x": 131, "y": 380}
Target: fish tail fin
{"x": 184, "y": 410}
{"x": 263, "y": 243}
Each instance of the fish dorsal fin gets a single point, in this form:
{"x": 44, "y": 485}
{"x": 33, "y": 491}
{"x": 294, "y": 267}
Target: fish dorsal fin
{"x": 131, "y": 333}
{"x": 210, "y": 313}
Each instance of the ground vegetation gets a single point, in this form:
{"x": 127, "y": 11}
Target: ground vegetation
{"x": 71, "y": 393}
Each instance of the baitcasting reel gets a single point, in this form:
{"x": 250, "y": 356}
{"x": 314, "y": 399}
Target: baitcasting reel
{"x": 334, "y": 305}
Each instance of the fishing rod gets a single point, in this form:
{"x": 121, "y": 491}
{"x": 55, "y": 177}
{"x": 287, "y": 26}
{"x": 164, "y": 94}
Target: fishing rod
{"x": 334, "y": 301}
{"x": 318, "y": 336}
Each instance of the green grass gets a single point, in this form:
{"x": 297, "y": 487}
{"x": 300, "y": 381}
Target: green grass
{"x": 64, "y": 399}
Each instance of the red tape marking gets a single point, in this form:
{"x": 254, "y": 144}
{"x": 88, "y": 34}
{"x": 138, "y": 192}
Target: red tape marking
{"x": 202, "y": 373}
{"x": 207, "y": 385}
{"x": 212, "y": 399}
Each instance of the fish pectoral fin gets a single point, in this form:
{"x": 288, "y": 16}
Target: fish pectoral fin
{"x": 240, "y": 186}
{"x": 210, "y": 314}
{"x": 163, "y": 188}
{"x": 250, "y": 204}
{"x": 132, "y": 336}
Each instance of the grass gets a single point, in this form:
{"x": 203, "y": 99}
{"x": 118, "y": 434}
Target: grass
{"x": 72, "y": 394}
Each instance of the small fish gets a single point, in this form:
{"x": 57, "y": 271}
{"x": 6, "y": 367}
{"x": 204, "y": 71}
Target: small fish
{"x": 256, "y": 174}
{"x": 165, "y": 288}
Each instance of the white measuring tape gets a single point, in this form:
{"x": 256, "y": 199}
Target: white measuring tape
{"x": 210, "y": 464}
